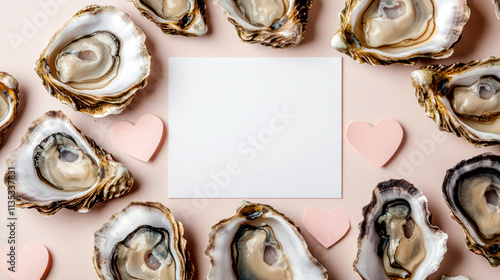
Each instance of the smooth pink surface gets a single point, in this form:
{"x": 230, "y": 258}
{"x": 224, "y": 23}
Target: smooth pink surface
{"x": 140, "y": 140}
{"x": 370, "y": 94}
{"x": 327, "y": 228}
{"x": 376, "y": 143}
{"x": 32, "y": 262}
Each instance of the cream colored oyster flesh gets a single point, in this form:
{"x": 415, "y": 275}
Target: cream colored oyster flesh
{"x": 478, "y": 105}
{"x": 169, "y": 9}
{"x": 258, "y": 255}
{"x": 479, "y": 196}
{"x": 90, "y": 62}
{"x": 144, "y": 254}
{"x": 402, "y": 245}
{"x": 263, "y": 12}
{"x": 62, "y": 164}
{"x": 397, "y": 22}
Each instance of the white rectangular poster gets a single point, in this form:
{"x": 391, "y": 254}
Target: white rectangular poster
{"x": 255, "y": 128}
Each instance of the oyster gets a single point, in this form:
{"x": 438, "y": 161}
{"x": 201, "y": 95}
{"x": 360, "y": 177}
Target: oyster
{"x": 143, "y": 241}
{"x": 57, "y": 166}
{"x": 461, "y": 277}
{"x": 9, "y": 101}
{"x": 96, "y": 62}
{"x": 177, "y": 17}
{"x": 463, "y": 99}
{"x": 471, "y": 190}
{"x": 260, "y": 243}
{"x": 274, "y": 23}
{"x": 396, "y": 239}
{"x": 381, "y": 32}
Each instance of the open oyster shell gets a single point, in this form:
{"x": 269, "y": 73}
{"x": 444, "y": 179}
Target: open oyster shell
{"x": 96, "y": 62}
{"x": 178, "y": 17}
{"x": 463, "y": 99}
{"x": 143, "y": 241}
{"x": 471, "y": 190}
{"x": 396, "y": 239}
{"x": 259, "y": 242}
{"x": 276, "y": 23}
{"x": 9, "y": 101}
{"x": 381, "y": 32}
{"x": 57, "y": 166}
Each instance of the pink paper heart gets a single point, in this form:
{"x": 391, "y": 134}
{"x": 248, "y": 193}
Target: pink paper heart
{"x": 376, "y": 143}
{"x": 140, "y": 140}
{"x": 327, "y": 228}
{"x": 31, "y": 263}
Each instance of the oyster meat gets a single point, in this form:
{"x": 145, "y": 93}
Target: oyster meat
{"x": 274, "y": 23}
{"x": 57, "y": 166}
{"x": 471, "y": 190}
{"x": 177, "y": 17}
{"x": 463, "y": 99}
{"x": 397, "y": 240}
{"x": 96, "y": 62}
{"x": 260, "y": 243}
{"x": 9, "y": 101}
{"x": 381, "y": 32}
{"x": 143, "y": 241}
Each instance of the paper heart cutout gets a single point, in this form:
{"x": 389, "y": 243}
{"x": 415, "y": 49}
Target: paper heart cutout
{"x": 327, "y": 228}
{"x": 376, "y": 143}
{"x": 140, "y": 140}
{"x": 31, "y": 263}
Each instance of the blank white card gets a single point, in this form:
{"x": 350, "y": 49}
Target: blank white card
{"x": 255, "y": 128}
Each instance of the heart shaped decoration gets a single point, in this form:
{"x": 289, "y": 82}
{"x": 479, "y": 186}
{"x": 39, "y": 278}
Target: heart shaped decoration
{"x": 376, "y": 143}
{"x": 327, "y": 228}
{"x": 140, "y": 140}
{"x": 30, "y": 263}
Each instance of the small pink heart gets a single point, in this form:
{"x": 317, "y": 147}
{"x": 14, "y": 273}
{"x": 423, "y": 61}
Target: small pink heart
{"x": 140, "y": 140}
{"x": 327, "y": 228}
{"x": 376, "y": 143}
{"x": 31, "y": 263}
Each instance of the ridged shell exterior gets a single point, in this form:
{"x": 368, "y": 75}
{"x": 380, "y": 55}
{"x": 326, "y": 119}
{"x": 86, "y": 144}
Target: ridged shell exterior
{"x": 248, "y": 211}
{"x": 472, "y": 240}
{"x": 94, "y": 105}
{"x": 388, "y": 191}
{"x": 114, "y": 178}
{"x": 289, "y": 34}
{"x": 192, "y": 24}
{"x": 345, "y": 40}
{"x": 10, "y": 88}
{"x": 431, "y": 85}
{"x": 109, "y": 235}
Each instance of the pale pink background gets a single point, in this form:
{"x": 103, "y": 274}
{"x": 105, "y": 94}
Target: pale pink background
{"x": 370, "y": 94}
